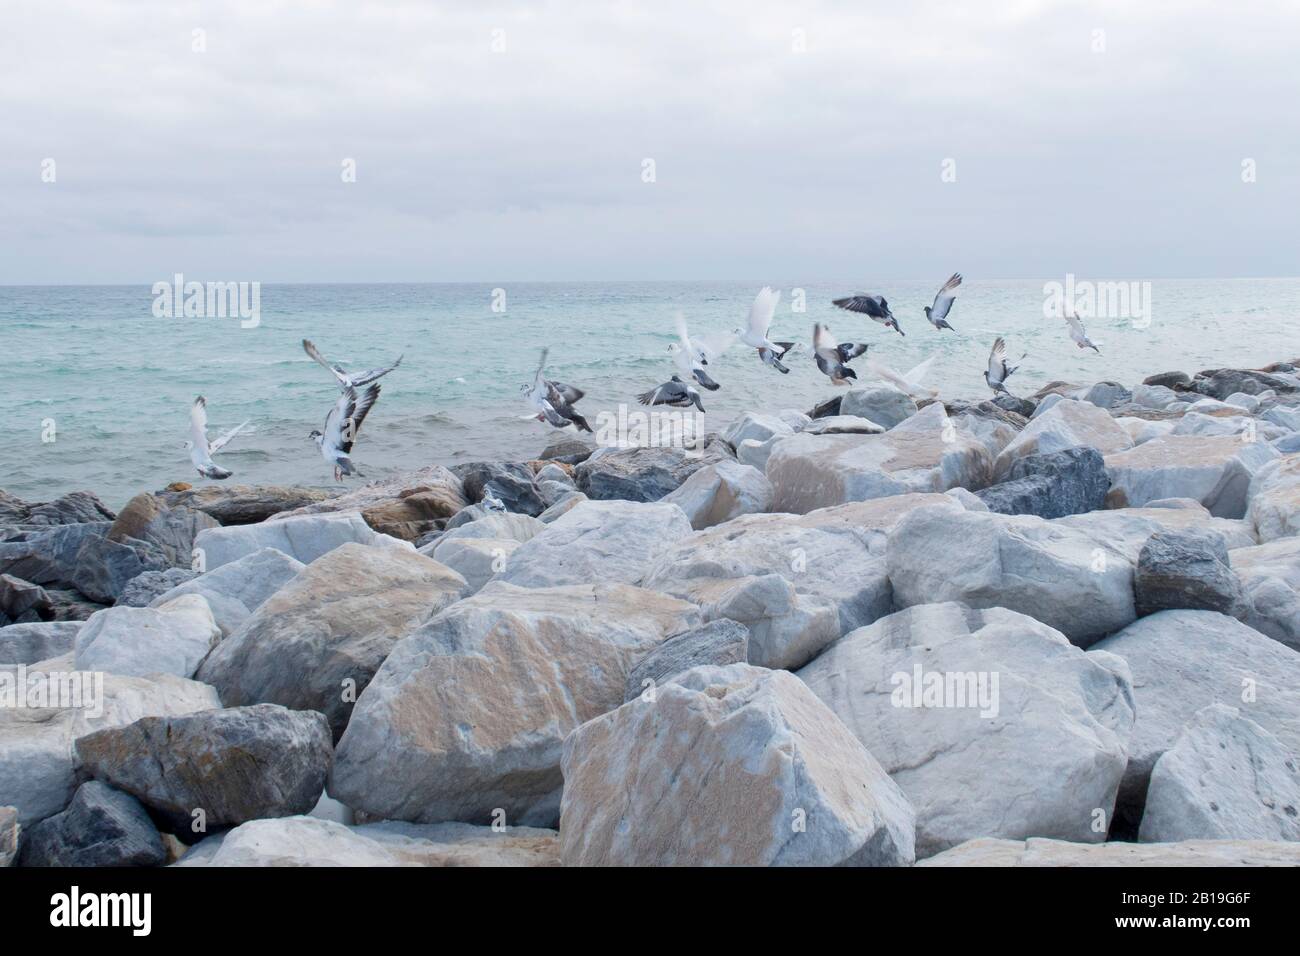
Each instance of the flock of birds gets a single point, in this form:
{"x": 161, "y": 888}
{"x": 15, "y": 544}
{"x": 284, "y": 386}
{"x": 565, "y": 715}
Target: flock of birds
{"x": 553, "y": 402}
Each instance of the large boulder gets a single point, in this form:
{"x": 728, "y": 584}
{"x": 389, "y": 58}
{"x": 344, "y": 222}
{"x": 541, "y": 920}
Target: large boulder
{"x": 468, "y": 714}
{"x": 1195, "y": 853}
{"x": 22, "y": 602}
{"x": 641, "y": 473}
{"x": 9, "y": 832}
{"x": 882, "y": 404}
{"x": 1067, "y": 482}
{"x": 721, "y": 491}
{"x": 943, "y": 692}
{"x": 926, "y": 453}
{"x": 1067, "y": 424}
{"x": 148, "y": 518}
{"x": 1225, "y": 778}
{"x": 1221, "y": 382}
{"x": 141, "y": 590}
{"x": 403, "y": 506}
{"x": 316, "y": 643}
{"x": 1064, "y": 577}
{"x": 1187, "y": 569}
{"x": 48, "y": 556}
{"x": 1274, "y": 508}
{"x": 237, "y": 589}
{"x": 100, "y": 827}
{"x": 1215, "y": 471}
{"x": 1127, "y": 529}
{"x": 610, "y": 541}
{"x": 216, "y": 768}
{"x": 1270, "y": 574}
{"x": 477, "y": 560}
{"x": 728, "y": 766}
{"x": 797, "y": 582}
{"x": 105, "y": 566}
{"x": 76, "y": 507}
{"x": 719, "y": 643}
{"x": 754, "y": 426}
{"x": 244, "y": 504}
{"x": 29, "y": 643}
{"x": 512, "y": 484}
{"x": 303, "y": 538}
{"x": 309, "y": 841}
{"x": 170, "y": 639}
{"x": 1183, "y": 661}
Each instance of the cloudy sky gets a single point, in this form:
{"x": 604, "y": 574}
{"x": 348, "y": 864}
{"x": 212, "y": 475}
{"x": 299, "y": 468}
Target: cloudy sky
{"x": 498, "y": 141}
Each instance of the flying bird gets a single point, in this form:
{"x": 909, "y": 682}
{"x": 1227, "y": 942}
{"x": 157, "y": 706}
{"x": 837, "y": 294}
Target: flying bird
{"x": 345, "y": 378}
{"x": 690, "y": 366}
{"x": 1078, "y": 334}
{"x": 553, "y": 401}
{"x": 909, "y": 381}
{"x": 832, "y": 357}
{"x": 703, "y": 348}
{"x": 673, "y": 392}
{"x": 874, "y": 306}
{"x": 998, "y": 371}
{"x": 938, "y": 313}
{"x": 200, "y": 449}
{"x": 755, "y": 333}
{"x": 342, "y": 424}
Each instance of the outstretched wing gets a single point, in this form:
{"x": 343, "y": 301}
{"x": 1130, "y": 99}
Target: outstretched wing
{"x": 866, "y": 304}
{"x": 309, "y": 347}
{"x": 199, "y": 422}
{"x": 943, "y": 300}
{"x": 998, "y": 359}
{"x": 567, "y": 393}
{"x": 761, "y": 312}
{"x": 914, "y": 375}
{"x": 219, "y": 443}
{"x": 353, "y": 412}
{"x": 712, "y": 346}
{"x": 370, "y": 375}
{"x": 1076, "y": 327}
{"x": 824, "y": 344}
{"x": 849, "y": 350}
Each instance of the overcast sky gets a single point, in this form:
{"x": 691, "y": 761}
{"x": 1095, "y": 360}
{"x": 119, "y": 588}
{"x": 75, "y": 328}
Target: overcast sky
{"x": 527, "y": 163}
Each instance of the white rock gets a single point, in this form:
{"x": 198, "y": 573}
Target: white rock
{"x": 1270, "y": 573}
{"x": 170, "y": 639}
{"x": 843, "y": 425}
{"x": 1153, "y": 396}
{"x": 562, "y": 506}
{"x": 1141, "y": 430}
{"x": 1284, "y": 416}
{"x": 1225, "y": 778}
{"x": 1249, "y": 402}
{"x": 38, "y": 641}
{"x": 1216, "y": 471}
{"x": 1025, "y": 712}
{"x": 515, "y": 527}
{"x": 720, "y": 492}
{"x": 882, "y": 404}
{"x": 1274, "y": 495}
{"x": 1197, "y": 853}
{"x": 1046, "y": 404}
{"x": 1067, "y": 424}
{"x": 1127, "y": 529}
{"x": 235, "y": 590}
{"x": 1241, "y": 427}
{"x": 755, "y": 453}
{"x": 304, "y": 538}
{"x": 728, "y": 766}
{"x": 753, "y": 426}
{"x": 477, "y": 560}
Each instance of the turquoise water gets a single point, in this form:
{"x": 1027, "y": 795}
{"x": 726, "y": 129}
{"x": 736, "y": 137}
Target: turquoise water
{"x": 117, "y": 382}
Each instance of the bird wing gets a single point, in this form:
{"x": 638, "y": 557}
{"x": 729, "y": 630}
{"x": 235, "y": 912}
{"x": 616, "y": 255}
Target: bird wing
{"x": 761, "y": 312}
{"x": 568, "y": 393}
{"x": 199, "y": 422}
{"x": 219, "y": 443}
{"x": 943, "y": 300}
{"x": 824, "y": 344}
{"x": 998, "y": 359}
{"x": 371, "y": 374}
{"x": 1076, "y": 327}
{"x": 679, "y": 323}
{"x": 712, "y": 346}
{"x": 914, "y": 375}
{"x": 867, "y": 304}
{"x": 337, "y": 371}
{"x": 356, "y": 414}
{"x": 849, "y": 350}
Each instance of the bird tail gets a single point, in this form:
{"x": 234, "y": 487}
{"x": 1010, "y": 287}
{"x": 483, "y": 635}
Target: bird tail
{"x": 776, "y": 364}
{"x": 579, "y": 421}
{"x": 943, "y": 324}
{"x": 785, "y": 347}
{"x": 219, "y": 473}
{"x": 703, "y": 378}
{"x": 847, "y": 372}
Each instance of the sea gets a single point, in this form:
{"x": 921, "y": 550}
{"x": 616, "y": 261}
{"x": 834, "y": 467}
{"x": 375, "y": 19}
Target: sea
{"x": 98, "y": 380}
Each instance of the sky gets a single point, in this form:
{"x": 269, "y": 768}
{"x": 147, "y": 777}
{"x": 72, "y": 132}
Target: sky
{"x": 525, "y": 141}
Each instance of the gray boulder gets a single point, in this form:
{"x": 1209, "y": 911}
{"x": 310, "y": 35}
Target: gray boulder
{"x": 29, "y": 643}
{"x": 639, "y": 474}
{"x": 1270, "y": 574}
{"x": 1106, "y": 394}
{"x": 719, "y": 642}
{"x": 49, "y": 556}
{"x": 1172, "y": 380}
{"x": 511, "y": 483}
{"x": 141, "y": 590}
{"x": 570, "y": 451}
{"x": 1072, "y": 481}
{"x": 22, "y": 602}
{"x": 235, "y": 590}
{"x": 1187, "y": 569}
{"x": 100, "y": 827}
{"x": 1222, "y": 382}
{"x": 721, "y": 491}
{"x": 303, "y": 538}
{"x": 882, "y": 404}
{"x": 244, "y": 504}
{"x": 170, "y": 639}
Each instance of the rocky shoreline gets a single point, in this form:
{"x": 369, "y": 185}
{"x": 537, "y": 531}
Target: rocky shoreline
{"x": 1062, "y": 629}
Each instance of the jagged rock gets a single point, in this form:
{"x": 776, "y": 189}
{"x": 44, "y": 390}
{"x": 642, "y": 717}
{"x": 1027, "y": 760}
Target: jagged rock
{"x": 77, "y": 507}
{"x": 22, "y": 602}
{"x": 170, "y": 639}
{"x": 1274, "y": 497}
{"x": 303, "y": 538}
{"x": 430, "y": 739}
{"x": 477, "y": 560}
{"x": 516, "y": 527}
{"x": 416, "y": 511}
{"x": 1053, "y": 485}
{"x": 147, "y": 518}
{"x": 1186, "y": 569}
{"x": 1067, "y": 424}
{"x": 1196, "y": 853}
{"x": 1024, "y": 407}
{"x": 235, "y": 765}
{"x": 842, "y": 425}
{"x": 237, "y": 589}
{"x": 1106, "y": 394}
{"x": 639, "y": 474}
{"x": 1270, "y": 574}
{"x": 1153, "y": 396}
{"x": 1170, "y": 380}
{"x": 882, "y": 404}
{"x": 1222, "y": 382}
{"x": 141, "y": 590}
{"x": 719, "y": 642}
{"x": 1127, "y": 529}
{"x": 245, "y": 504}
{"x": 49, "y": 557}
{"x": 755, "y": 426}
{"x": 105, "y": 566}
{"x": 1225, "y": 778}
{"x": 830, "y": 406}
{"x": 720, "y": 492}
{"x": 562, "y": 506}
{"x": 100, "y": 827}
{"x": 1216, "y": 471}
{"x": 511, "y": 483}
{"x": 316, "y": 643}
{"x": 943, "y": 692}
{"x": 29, "y": 643}
{"x": 730, "y": 766}
{"x": 1142, "y": 430}
{"x": 1182, "y": 661}
{"x": 571, "y": 451}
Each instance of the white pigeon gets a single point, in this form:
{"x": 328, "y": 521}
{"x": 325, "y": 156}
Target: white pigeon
{"x": 1078, "y": 334}
{"x": 909, "y": 381}
{"x": 686, "y": 355}
{"x": 703, "y": 348}
{"x": 200, "y": 449}
{"x": 345, "y": 378}
{"x": 754, "y": 334}
{"x": 938, "y": 313}
{"x": 342, "y": 424}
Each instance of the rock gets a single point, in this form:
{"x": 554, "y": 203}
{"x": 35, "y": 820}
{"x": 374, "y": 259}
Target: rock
{"x": 1284, "y": 416}
{"x": 77, "y": 507}
{"x": 23, "y": 602}
{"x": 235, "y": 765}
{"x": 926, "y": 453}
{"x": 316, "y": 643}
{"x": 430, "y": 739}
{"x": 639, "y": 474}
{"x": 511, "y": 483}
{"x": 729, "y": 766}
{"x": 755, "y": 426}
{"x": 141, "y": 590}
{"x": 1171, "y": 380}
{"x": 719, "y": 642}
{"x": 1015, "y": 710}
{"x": 1141, "y": 430}
{"x": 304, "y": 538}
{"x": 720, "y": 492}
{"x": 1024, "y": 407}
{"x": 1222, "y": 382}
{"x": 882, "y": 404}
{"x": 1053, "y": 485}
{"x": 1067, "y": 424}
{"x": 245, "y": 504}
{"x": 416, "y": 511}
{"x": 755, "y": 453}
{"x": 830, "y": 406}
{"x": 1183, "y": 661}
{"x": 1241, "y": 427}
{"x": 1153, "y": 396}
{"x": 842, "y": 425}
{"x": 1186, "y": 569}
{"x": 29, "y": 643}
{"x": 1225, "y": 778}
{"x": 516, "y": 527}
{"x": 555, "y": 474}
{"x": 170, "y": 639}
{"x": 609, "y": 541}
{"x": 307, "y": 841}
{"x": 797, "y": 582}
{"x": 477, "y": 560}
{"x": 562, "y": 506}
{"x": 49, "y": 557}
{"x": 1062, "y": 576}
{"x": 1196, "y": 853}
{"x": 105, "y": 566}
{"x": 36, "y": 761}
{"x": 1214, "y": 471}
{"x": 1046, "y": 403}
{"x": 9, "y": 831}
{"x": 1105, "y": 394}
{"x": 1274, "y": 496}
{"x": 1270, "y": 574}
{"x": 100, "y": 827}
{"x": 1127, "y": 529}
{"x": 1249, "y": 402}
{"x": 570, "y": 451}
{"x": 147, "y": 518}
{"x": 237, "y": 589}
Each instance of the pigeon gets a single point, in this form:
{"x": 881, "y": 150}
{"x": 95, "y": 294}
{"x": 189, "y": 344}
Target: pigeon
{"x": 998, "y": 371}
{"x": 755, "y": 335}
{"x": 1077, "y": 333}
{"x": 872, "y": 305}
{"x": 938, "y": 313}
{"x": 347, "y": 379}
{"x": 833, "y": 358}
{"x": 341, "y": 427}
{"x": 673, "y": 392}
{"x": 554, "y": 401}
{"x": 689, "y": 365}
{"x": 200, "y": 449}
{"x": 703, "y": 348}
